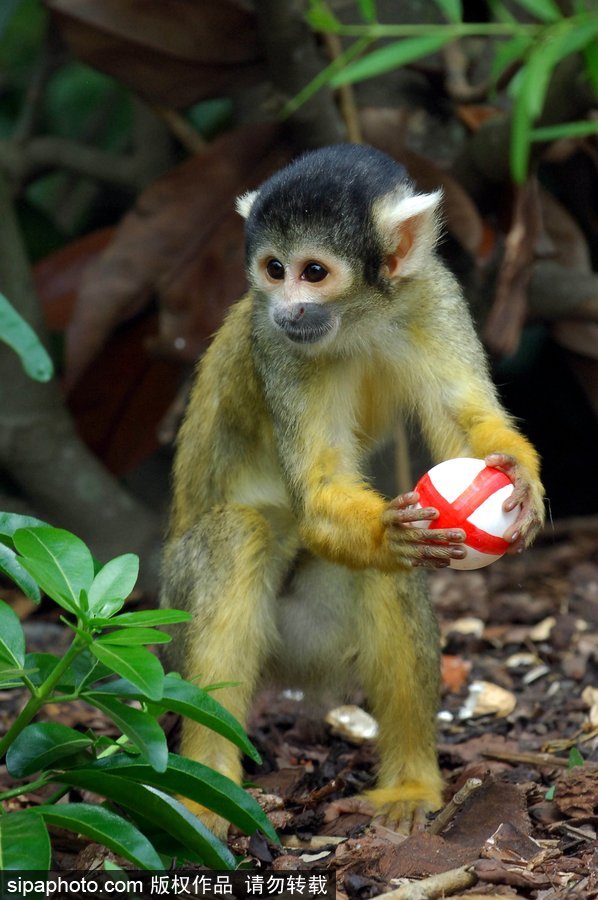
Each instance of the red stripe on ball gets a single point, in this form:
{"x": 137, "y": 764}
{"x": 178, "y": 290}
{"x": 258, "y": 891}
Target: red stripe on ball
{"x": 454, "y": 515}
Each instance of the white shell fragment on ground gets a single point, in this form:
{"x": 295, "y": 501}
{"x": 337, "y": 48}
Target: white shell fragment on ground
{"x": 487, "y": 699}
{"x": 352, "y": 723}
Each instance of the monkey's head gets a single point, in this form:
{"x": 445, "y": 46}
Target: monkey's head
{"x": 330, "y": 237}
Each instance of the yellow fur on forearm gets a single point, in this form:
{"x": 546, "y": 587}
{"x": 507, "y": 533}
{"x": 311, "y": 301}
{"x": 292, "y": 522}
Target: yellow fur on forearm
{"x": 343, "y": 524}
{"x": 493, "y": 435}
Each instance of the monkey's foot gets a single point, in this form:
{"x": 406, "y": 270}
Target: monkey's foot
{"x": 404, "y": 807}
{"x": 216, "y": 824}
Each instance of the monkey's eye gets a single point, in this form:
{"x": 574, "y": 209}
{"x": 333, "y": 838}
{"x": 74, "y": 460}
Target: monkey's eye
{"x": 314, "y": 272}
{"x": 275, "y": 269}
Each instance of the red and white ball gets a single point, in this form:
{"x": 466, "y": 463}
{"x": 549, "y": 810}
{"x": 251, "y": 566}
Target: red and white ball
{"x": 468, "y": 494}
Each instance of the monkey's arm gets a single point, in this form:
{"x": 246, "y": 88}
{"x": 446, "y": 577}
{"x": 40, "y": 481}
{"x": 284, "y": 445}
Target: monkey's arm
{"x": 342, "y": 519}
{"x": 463, "y": 417}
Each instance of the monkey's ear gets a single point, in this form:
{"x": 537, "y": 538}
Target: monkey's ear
{"x": 245, "y": 202}
{"x": 409, "y": 227}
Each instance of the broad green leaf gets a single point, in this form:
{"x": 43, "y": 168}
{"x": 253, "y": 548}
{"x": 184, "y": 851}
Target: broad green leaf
{"x": 164, "y": 811}
{"x": 11, "y": 522}
{"x": 136, "y": 664}
{"x": 106, "y": 828}
{"x": 507, "y": 53}
{"x": 190, "y": 779}
{"x": 24, "y": 842}
{"x": 131, "y": 636}
{"x": 59, "y": 561}
{"x": 10, "y": 565}
{"x": 113, "y": 584}
{"x": 392, "y": 56}
{"x": 140, "y": 727}
{"x": 12, "y": 638}
{"x": 452, "y": 9}
{"x": 521, "y": 132}
{"x": 41, "y": 746}
{"x": 565, "y": 130}
{"x": 149, "y": 617}
{"x": 194, "y": 703}
{"x": 19, "y": 335}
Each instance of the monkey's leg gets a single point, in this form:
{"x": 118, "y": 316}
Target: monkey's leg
{"x": 225, "y": 571}
{"x": 399, "y": 662}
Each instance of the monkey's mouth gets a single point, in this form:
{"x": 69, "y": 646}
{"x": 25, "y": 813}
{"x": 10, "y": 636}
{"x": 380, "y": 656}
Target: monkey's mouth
{"x": 302, "y": 334}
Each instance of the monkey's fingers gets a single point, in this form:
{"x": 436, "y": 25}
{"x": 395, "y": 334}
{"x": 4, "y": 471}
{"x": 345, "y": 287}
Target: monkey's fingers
{"x": 403, "y": 817}
{"x": 530, "y": 518}
{"x": 422, "y": 547}
{"x": 405, "y": 515}
{"x": 346, "y": 806}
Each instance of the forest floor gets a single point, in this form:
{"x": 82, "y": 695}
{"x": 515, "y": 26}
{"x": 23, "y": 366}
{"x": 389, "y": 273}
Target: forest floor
{"x": 519, "y": 716}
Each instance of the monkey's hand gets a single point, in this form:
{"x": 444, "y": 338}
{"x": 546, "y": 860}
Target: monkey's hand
{"x": 528, "y": 492}
{"x": 432, "y": 548}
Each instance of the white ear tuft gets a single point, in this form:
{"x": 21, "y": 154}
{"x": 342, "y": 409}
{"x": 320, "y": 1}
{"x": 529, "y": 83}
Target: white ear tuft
{"x": 416, "y": 212}
{"x": 245, "y": 202}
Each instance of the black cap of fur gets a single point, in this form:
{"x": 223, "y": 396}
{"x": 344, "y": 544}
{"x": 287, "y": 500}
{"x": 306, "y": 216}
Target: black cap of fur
{"x": 326, "y": 196}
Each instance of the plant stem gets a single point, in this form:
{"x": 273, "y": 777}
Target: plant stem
{"x": 35, "y": 703}
{"x": 24, "y": 788}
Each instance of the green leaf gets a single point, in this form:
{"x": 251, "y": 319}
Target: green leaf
{"x": 565, "y": 130}
{"x": 193, "y": 780}
{"x": 140, "y": 727}
{"x": 194, "y": 703}
{"x": 39, "y": 666}
{"x": 575, "y": 758}
{"x": 545, "y": 10}
{"x": 24, "y": 842}
{"x": 149, "y": 617}
{"x": 113, "y": 584}
{"x": 452, "y": 9}
{"x": 367, "y": 8}
{"x": 41, "y": 745}
{"x": 155, "y": 806}
{"x": 507, "y": 53}
{"x": 392, "y": 56}
{"x": 106, "y": 828}
{"x": 10, "y": 566}
{"x": 12, "y": 638}
{"x": 59, "y": 561}
{"x": 132, "y": 636}
{"x": 320, "y": 17}
{"x": 590, "y": 54}
{"x": 136, "y": 664}
{"x": 19, "y": 335}
{"x": 549, "y": 795}
{"x": 521, "y": 132}
{"x": 11, "y": 522}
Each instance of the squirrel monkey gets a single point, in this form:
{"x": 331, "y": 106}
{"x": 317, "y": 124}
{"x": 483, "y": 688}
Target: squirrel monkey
{"x": 294, "y": 567}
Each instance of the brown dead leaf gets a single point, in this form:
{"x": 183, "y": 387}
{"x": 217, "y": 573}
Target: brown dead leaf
{"x": 485, "y": 811}
{"x": 496, "y": 872}
{"x": 510, "y": 845}
{"x": 174, "y": 53}
{"x": 507, "y": 315}
{"x": 424, "y": 854}
{"x": 576, "y": 793}
{"x": 181, "y": 244}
